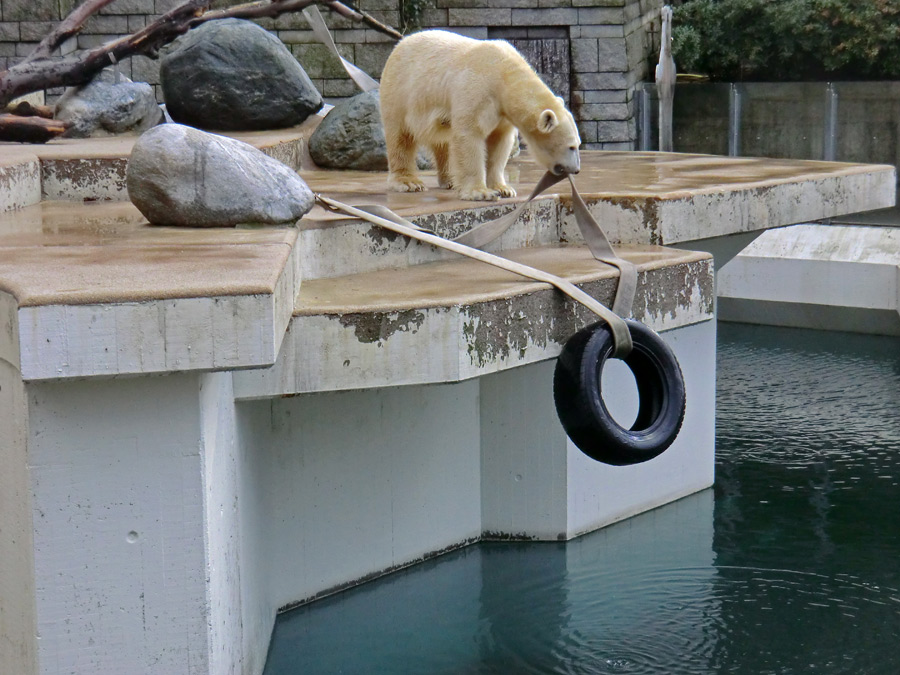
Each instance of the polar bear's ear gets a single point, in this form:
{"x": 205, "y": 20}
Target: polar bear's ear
{"x": 547, "y": 122}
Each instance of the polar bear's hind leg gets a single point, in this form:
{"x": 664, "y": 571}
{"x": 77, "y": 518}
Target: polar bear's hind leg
{"x": 441, "y": 152}
{"x": 401, "y": 149}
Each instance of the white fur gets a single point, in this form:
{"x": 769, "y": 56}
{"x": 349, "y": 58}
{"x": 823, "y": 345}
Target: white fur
{"x": 464, "y": 99}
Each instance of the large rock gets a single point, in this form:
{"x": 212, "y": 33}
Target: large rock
{"x": 232, "y": 75}
{"x": 178, "y": 175}
{"x": 108, "y": 105}
{"x": 351, "y": 136}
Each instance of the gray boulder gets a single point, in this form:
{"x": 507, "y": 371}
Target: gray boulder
{"x": 351, "y": 136}
{"x": 178, "y": 175}
{"x": 233, "y": 75}
{"x": 108, "y": 105}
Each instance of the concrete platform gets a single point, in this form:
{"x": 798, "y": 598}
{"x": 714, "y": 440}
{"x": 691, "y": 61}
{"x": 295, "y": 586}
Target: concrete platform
{"x": 830, "y": 277}
{"x": 199, "y": 428}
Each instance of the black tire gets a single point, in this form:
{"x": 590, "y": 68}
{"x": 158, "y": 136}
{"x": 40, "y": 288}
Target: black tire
{"x": 578, "y": 394}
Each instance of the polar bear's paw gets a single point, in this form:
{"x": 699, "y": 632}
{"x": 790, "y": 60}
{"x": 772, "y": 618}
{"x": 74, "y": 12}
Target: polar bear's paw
{"x": 406, "y": 184}
{"x": 504, "y": 191}
{"x": 479, "y": 195}
{"x": 445, "y": 182}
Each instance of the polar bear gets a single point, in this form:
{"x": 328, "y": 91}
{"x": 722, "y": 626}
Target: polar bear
{"x": 464, "y": 99}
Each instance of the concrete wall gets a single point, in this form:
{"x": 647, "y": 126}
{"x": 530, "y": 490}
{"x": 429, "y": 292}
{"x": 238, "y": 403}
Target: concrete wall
{"x": 789, "y": 120}
{"x": 612, "y": 44}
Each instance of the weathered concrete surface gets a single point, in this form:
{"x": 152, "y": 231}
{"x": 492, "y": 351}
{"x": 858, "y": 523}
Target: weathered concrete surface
{"x": 20, "y": 181}
{"x": 639, "y": 198}
{"x": 104, "y": 281}
{"x": 125, "y": 297}
{"x": 817, "y": 276}
{"x": 455, "y": 320}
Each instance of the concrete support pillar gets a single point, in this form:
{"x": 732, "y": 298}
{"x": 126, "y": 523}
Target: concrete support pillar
{"x": 537, "y": 484}
{"x": 18, "y": 647}
{"x": 133, "y": 514}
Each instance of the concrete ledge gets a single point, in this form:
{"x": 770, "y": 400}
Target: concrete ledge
{"x": 95, "y": 291}
{"x": 693, "y": 197}
{"x": 817, "y": 276}
{"x": 639, "y": 198}
{"x": 20, "y": 181}
{"x": 451, "y": 321}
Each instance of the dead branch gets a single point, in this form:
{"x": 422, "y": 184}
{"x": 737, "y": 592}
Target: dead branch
{"x": 67, "y": 28}
{"x": 39, "y": 71}
{"x": 30, "y": 129}
{"x": 256, "y": 10}
{"x": 26, "y": 109}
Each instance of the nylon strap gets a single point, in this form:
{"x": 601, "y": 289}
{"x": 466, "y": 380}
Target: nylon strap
{"x": 486, "y": 232}
{"x": 323, "y": 35}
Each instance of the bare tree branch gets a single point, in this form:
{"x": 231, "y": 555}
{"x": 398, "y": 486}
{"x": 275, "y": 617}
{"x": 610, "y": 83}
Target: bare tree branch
{"x": 256, "y": 10}
{"x": 40, "y": 71}
{"x": 30, "y": 129}
{"x": 68, "y": 27}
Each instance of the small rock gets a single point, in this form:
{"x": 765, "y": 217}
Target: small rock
{"x": 108, "y": 105}
{"x": 178, "y": 175}
{"x": 352, "y": 137}
{"x": 232, "y": 75}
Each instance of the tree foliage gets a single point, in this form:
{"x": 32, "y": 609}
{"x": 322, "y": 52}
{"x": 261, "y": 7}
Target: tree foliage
{"x": 788, "y": 40}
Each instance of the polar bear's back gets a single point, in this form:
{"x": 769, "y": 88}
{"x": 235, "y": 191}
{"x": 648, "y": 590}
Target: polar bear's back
{"x": 427, "y": 70}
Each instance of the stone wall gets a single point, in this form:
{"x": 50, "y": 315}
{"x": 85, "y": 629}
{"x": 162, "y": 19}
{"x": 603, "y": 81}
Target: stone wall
{"x": 612, "y": 44}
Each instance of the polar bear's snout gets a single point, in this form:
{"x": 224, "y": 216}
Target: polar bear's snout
{"x": 571, "y": 164}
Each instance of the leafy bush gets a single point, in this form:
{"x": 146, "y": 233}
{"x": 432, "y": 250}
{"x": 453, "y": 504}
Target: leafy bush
{"x": 788, "y": 39}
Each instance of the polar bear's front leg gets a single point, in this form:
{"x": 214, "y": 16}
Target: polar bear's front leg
{"x": 499, "y": 146}
{"x": 467, "y": 162}
{"x": 401, "y": 150}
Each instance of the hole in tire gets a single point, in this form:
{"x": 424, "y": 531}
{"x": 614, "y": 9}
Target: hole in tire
{"x": 620, "y": 392}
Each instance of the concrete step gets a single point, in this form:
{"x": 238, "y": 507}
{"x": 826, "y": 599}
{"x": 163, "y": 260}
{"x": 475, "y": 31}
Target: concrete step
{"x": 667, "y": 199}
{"x": 452, "y": 320}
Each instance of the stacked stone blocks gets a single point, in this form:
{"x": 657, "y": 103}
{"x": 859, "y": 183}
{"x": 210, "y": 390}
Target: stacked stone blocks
{"x": 612, "y": 44}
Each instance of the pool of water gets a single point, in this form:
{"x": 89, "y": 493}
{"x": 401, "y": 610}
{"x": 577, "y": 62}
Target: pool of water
{"x": 791, "y": 564}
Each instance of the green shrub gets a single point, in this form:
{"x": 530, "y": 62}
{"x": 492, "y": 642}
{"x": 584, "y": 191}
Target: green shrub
{"x": 788, "y": 39}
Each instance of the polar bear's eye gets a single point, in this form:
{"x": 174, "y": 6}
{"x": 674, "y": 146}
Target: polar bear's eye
{"x": 573, "y": 147}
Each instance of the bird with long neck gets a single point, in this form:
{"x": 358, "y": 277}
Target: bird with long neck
{"x": 665, "y": 81}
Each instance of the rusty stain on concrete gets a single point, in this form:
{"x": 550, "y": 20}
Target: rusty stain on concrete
{"x": 494, "y": 331}
{"x": 671, "y": 290}
{"x": 376, "y": 327}
{"x": 85, "y": 176}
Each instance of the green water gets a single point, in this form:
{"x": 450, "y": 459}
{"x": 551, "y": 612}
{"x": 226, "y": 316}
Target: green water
{"x": 789, "y": 565}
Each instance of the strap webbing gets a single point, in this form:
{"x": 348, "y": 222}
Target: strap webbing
{"x": 484, "y": 233}
{"x": 323, "y": 35}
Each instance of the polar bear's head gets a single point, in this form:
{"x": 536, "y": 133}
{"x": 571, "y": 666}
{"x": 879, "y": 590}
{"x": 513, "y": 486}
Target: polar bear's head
{"x": 554, "y": 139}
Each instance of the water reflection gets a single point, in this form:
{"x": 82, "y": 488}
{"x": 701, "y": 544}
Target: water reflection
{"x": 788, "y": 566}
